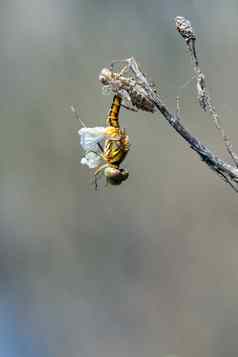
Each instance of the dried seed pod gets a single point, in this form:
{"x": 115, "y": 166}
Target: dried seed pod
{"x": 185, "y": 29}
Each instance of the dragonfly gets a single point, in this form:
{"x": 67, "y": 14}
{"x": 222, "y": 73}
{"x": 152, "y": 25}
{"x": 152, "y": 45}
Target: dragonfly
{"x": 105, "y": 147}
{"x": 128, "y": 85}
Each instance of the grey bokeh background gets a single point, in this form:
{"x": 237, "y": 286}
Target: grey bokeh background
{"x": 149, "y": 268}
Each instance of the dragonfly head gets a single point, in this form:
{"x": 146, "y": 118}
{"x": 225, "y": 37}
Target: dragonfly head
{"x": 115, "y": 176}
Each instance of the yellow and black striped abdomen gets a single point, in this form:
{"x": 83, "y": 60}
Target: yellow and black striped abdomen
{"x": 113, "y": 115}
{"x": 116, "y": 147}
{"x": 115, "y": 152}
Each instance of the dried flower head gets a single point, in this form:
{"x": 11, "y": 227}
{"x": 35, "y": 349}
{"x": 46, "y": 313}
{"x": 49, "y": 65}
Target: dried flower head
{"x": 185, "y": 29}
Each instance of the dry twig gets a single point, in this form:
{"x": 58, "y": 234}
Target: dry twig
{"x": 228, "y": 172}
{"x": 184, "y": 27}
{"x": 140, "y": 84}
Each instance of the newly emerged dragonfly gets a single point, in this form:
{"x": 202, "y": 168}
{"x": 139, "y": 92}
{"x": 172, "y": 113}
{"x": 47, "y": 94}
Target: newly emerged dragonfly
{"x": 106, "y": 147}
{"x": 128, "y": 85}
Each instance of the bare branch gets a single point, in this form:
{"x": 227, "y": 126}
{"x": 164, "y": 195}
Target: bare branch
{"x": 145, "y": 91}
{"x": 223, "y": 169}
{"x": 184, "y": 27}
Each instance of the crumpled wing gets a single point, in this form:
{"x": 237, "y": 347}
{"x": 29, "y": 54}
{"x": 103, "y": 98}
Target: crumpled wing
{"x": 91, "y": 137}
{"x": 91, "y": 159}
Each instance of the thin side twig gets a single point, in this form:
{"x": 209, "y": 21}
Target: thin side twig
{"x": 184, "y": 27}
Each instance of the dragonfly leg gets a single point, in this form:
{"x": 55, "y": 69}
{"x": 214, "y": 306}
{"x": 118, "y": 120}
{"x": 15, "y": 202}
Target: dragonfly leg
{"x": 100, "y": 169}
{"x": 126, "y": 100}
{"x": 98, "y": 172}
{"x": 127, "y": 61}
{"x": 129, "y": 107}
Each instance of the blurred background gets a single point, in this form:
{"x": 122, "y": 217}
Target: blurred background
{"x": 149, "y": 268}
